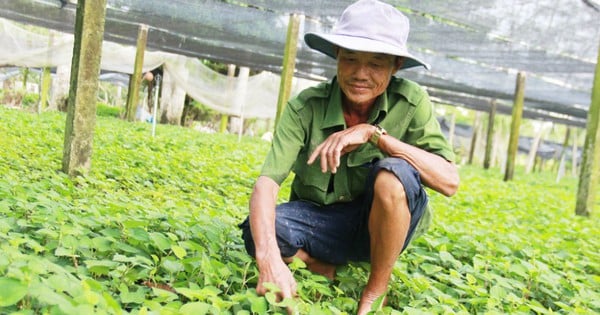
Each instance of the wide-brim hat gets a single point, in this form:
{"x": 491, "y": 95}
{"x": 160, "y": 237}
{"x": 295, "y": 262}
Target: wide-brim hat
{"x": 370, "y": 26}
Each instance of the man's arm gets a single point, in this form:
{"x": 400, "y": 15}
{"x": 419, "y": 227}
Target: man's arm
{"x": 271, "y": 266}
{"x": 436, "y": 172}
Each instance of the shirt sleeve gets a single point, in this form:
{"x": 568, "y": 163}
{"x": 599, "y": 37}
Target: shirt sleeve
{"x": 425, "y": 132}
{"x": 289, "y": 139}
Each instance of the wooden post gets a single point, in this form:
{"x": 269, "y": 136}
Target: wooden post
{"x": 45, "y": 91}
{"x": 136, "y": 77}
{"x": 537, "y": 140}
{"x": 46, "y": 76}
{"x": 289, "y": 63}
{"x": 490, "y": 135}
{"x": 230, "y": 76}
{"x": 85, "y": 68}
{"x": 25, "y": 75}
{"x": 452, "y": 129}
{"x": 224, "y": 122}
{"x": 239, "y": 96}
{"x": 562, "y": 159}
{"x": 589, "y": 164}
{"x": 517, "y": 115}
{"x": 574, "y": 152}
{"x": 474, "y": 136}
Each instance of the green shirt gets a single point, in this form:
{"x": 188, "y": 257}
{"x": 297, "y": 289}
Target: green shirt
{"x": 403, "y": 110}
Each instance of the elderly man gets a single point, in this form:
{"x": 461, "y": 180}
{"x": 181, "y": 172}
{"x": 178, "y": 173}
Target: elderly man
{"x": 361, "y": 146}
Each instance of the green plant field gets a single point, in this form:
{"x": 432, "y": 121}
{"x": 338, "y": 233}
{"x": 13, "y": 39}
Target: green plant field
{"x": 152, "y": 230}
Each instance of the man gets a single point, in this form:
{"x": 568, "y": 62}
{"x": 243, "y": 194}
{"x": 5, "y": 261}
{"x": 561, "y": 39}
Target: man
{"x": 360, "y": 147}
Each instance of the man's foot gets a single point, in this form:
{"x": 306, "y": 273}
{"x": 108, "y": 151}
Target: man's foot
{"x": 366, "y": 303}
{"x": 322, "y": 268}
{"x": 325, "y": 269}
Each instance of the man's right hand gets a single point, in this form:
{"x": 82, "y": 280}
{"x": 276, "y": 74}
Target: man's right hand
{"x": 276, "y": 272}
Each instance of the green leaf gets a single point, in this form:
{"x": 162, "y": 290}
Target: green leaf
{"x": 100, "y": 267}
{"x": 163, "y": 295}
{"x": 11, "y": 291}
{"x": 160, "y": 241}
{"x": 195, "y": 308}
{"x": 61, "y": 251}
{"x": 497, "y": 292}
{"x": 172, "y": 266}
{"x": 139, "y": 234}
{"x": 136, "y": 297}
{"x": 430, "y": 269}
{"x": 178, "y": 251}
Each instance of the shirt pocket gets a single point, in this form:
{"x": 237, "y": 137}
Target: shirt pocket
{"x": 364, "y": 156}
{"x": 311, "y": 177}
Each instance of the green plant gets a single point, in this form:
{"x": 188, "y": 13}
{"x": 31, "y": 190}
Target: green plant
{"x": 152, "y": 229}
{"x": 108, "y": 111}
{"x": 30, "y": 100}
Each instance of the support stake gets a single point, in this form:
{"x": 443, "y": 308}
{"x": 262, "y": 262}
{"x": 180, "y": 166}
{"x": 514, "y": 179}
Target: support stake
{"x": 85, "y": 68}
{"x": 289, "y": 63}
{"x": 589, "y": 164}
{"x": 136, "y": 78}
{"x": 489, "y": 143}
{"x": 517, "y": 115}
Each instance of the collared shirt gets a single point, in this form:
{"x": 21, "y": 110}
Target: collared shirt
{"x": 403, "y": 110}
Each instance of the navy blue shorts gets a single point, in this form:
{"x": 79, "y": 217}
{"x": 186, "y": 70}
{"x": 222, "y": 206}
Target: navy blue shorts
{"x": 339, "y": 233}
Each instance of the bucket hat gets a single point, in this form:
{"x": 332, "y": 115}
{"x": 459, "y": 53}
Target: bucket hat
{"x": 370, "y": 26}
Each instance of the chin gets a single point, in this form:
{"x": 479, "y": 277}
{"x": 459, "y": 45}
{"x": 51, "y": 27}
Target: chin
{"x": 361, "y": 99}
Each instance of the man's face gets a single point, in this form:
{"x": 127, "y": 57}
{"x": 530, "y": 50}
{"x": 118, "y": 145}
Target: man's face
{"x": 364, "y": 75}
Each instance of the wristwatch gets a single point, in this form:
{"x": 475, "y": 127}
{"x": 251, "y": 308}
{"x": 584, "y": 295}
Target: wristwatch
{"x": 379, "y": 131}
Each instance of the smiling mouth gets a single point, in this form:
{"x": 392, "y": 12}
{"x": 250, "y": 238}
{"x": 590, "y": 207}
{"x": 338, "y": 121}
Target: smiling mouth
{"x": 359, "y": 87}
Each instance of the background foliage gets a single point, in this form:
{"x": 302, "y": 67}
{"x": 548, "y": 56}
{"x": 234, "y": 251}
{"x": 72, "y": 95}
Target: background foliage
{"x": 152, "y": 230}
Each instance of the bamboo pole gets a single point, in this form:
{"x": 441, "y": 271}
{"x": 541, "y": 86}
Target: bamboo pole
{"x": 289, "y": 63}
{"x": 452, "y": 129}
{"x": 574, "y": 154}
{"x": 589, "y": 164}
{"x": 136, "y": 78}
{"x": 85, "y": 68}
{"x": 25, "y": 76}
{"x": 474, "y": 136}
{"x": 517, "y": 115}
{"x": 230, "y": 76}
{"x": 45, "y": 91}
{"x": 535, "y": 145}
{"x": 562, "y": 158}
{"x": 490, "y": 135}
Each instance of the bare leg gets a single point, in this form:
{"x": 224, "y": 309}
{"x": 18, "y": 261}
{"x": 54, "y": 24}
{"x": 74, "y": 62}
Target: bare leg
{"x": 314, "y": 265}
{"x": 388, "y": 226}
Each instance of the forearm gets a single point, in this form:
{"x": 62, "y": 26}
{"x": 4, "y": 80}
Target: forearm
{"x": 262, "y": 219}
{"x": 436, "y": 172}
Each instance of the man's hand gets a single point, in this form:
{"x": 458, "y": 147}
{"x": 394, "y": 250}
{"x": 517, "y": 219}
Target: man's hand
{"x": 340, "y": 143}
{"x": 275, "y": 271}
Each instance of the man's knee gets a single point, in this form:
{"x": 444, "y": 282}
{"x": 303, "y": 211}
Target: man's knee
{"x": 389, "y": 190}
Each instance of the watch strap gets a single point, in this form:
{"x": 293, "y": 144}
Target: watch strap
{"x": 379, "y": 131}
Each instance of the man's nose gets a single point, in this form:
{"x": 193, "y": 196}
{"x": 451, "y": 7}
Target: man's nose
{"x": 361, "y": 71}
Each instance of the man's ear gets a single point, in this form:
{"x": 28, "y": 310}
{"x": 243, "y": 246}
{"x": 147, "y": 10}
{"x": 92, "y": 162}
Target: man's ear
{"x": 399, "y": 63}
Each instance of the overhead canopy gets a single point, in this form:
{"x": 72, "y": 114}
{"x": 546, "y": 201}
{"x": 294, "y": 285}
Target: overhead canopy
{"x": 475, "y": 47}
